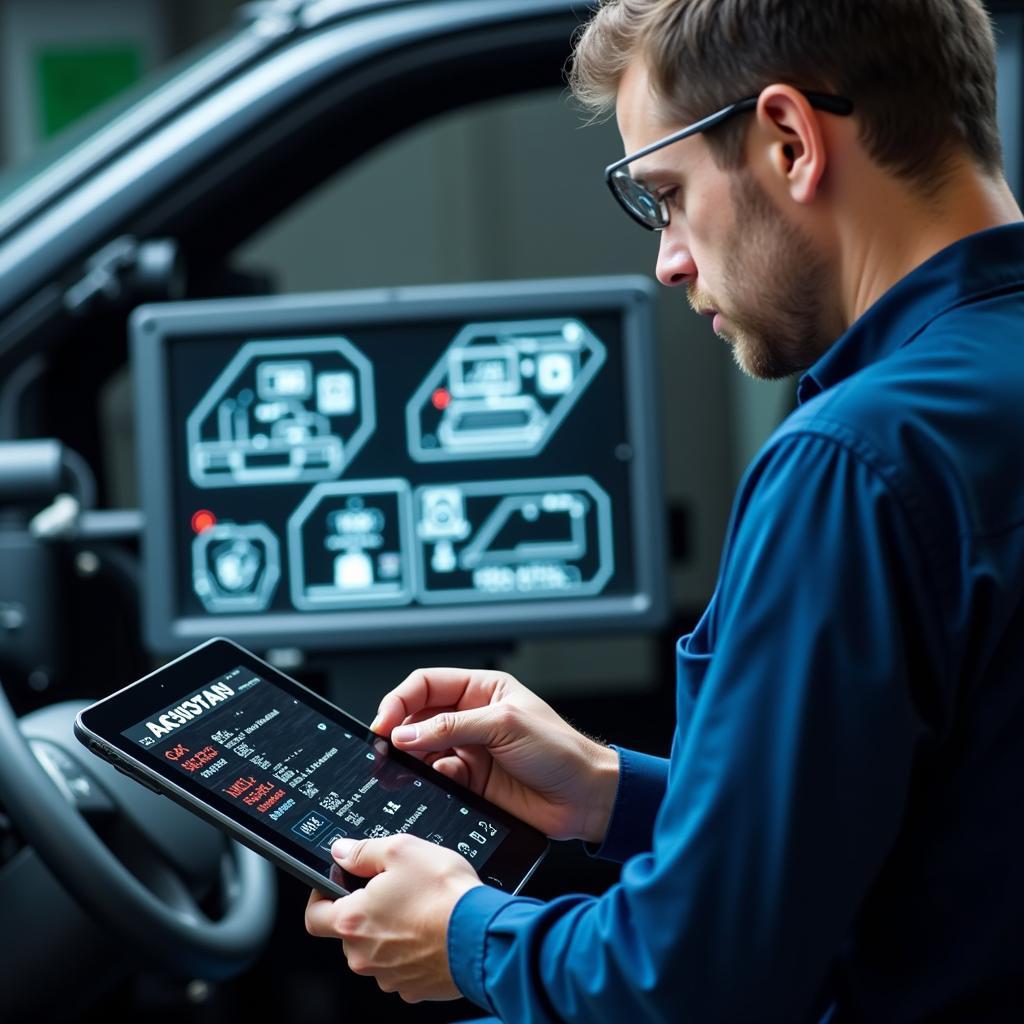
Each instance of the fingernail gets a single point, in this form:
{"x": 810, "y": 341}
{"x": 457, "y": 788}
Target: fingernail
{"x": 405, "y": 734}
{"x": 341, "y": 848}
{"x": 375, "y": 724}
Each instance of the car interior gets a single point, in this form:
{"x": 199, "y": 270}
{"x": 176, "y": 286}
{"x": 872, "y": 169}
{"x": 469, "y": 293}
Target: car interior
{"x": 327, "y": 337}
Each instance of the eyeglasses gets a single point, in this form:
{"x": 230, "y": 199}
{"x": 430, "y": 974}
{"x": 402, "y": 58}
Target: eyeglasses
{"x": 652, "y": 211}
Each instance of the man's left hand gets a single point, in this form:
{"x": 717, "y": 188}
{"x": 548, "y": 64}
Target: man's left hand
{"x": 396, "y": 928}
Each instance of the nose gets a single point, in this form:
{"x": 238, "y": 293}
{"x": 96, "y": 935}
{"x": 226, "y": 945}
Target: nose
{"x": 675, "y": 261}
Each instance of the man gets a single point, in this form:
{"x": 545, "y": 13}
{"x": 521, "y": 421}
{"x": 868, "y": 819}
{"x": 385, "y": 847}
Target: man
{"x": 839, "y": 832}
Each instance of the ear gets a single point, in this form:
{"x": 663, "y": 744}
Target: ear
{"x": 796, "y": 143}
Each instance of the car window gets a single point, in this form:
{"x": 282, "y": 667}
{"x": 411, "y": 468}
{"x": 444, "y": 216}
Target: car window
{"x": 96, "y": 135}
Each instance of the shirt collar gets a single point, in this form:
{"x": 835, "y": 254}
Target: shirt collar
{"x": 968, "y": 270}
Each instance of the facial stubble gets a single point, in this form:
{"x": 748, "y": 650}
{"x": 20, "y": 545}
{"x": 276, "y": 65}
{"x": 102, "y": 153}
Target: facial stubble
{"x": 776, "y": 328}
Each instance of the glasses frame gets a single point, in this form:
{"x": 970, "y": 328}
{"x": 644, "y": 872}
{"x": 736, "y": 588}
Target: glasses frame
{"x": 614, "y": 172}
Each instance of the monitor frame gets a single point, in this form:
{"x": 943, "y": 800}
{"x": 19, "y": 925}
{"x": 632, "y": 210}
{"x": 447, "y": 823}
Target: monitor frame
{"x": 153, "y": 328}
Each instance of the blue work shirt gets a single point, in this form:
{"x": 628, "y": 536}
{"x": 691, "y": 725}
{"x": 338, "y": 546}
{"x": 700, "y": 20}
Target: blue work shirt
{"x": 839, "y": 832}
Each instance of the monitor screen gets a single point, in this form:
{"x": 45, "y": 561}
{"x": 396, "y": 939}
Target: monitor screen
{"x": 411, "y": 466}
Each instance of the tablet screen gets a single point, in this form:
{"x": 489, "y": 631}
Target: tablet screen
{"x": 262, "y": 754}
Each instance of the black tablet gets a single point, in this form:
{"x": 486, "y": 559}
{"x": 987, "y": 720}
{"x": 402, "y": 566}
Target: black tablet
{"x": 287, "y": 773}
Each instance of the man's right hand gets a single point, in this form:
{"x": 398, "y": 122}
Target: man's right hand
{"x": 490, "y": 733}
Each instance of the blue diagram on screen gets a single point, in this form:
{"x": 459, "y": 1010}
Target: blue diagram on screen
{"x": 513, "y": 539}
{"x": 501, "y": 389}
{"x": 350, "y": 545}
{"x": 236, "y": 567}
{"x": 283, "y": 412}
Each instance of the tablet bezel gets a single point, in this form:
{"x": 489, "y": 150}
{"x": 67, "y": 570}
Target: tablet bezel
{"x": 508, "y": 867}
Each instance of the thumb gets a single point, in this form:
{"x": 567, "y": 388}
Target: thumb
{"x": 482, "y": 726}
{"x": 362, "y": 857}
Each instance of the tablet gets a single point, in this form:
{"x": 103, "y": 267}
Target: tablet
{"x": 285, "y": 772}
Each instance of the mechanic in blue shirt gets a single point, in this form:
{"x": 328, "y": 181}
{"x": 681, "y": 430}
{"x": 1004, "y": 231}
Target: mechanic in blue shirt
{"x": 839, "y": 832}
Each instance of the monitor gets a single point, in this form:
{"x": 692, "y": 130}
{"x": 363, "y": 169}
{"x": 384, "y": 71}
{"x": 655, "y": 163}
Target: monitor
{"x": 413, "y": 466}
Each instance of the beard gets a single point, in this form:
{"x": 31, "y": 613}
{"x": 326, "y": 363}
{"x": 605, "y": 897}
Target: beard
{"x": 775, "y": 330}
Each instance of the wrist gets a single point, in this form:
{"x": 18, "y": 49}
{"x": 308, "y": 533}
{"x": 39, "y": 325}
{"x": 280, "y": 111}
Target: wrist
{"x": 603, "y": 788}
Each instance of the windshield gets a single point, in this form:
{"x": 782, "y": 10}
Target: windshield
{"x": 104, "y": 132}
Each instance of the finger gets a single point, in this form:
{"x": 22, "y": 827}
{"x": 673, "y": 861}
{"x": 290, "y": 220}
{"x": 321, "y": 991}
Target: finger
{"x": 453, "y": 767}
{"x": 432, "y": 687}
{"x": 429, "y": 757}
{"x": 320, "y": 915}
{"x": 422, "y": 716}
{"x": 362, "y": 857}
{"x": 488, "y": 726}
{"x": 477, "y": 764}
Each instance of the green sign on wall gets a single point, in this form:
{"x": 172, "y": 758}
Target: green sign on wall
{"x": 75, "y": 80}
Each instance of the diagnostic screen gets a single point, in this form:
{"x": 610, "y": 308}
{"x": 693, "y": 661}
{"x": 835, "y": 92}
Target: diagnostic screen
{"x": 262, "y": 754}
{"x": 368, "y": 475}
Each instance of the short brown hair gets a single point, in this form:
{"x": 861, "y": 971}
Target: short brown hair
{"x": 921, "y": 73}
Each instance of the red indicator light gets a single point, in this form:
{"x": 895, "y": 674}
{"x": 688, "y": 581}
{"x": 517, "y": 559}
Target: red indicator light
{"x": 441, "y": 399}
{"x": 203, "y": 520}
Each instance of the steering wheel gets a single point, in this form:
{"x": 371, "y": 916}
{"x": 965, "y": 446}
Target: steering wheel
{"x": 171, "y": 886}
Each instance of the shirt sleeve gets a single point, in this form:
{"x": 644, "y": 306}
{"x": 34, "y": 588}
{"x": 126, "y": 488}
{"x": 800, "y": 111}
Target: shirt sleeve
{"x": 786, "y": 787}
{"x": 641, "y": 788}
